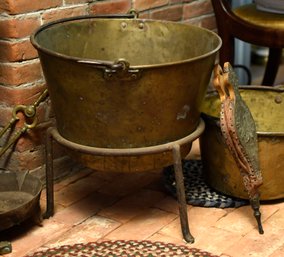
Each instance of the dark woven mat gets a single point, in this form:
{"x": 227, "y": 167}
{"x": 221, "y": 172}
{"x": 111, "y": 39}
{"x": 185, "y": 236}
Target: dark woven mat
{"x": 123, "y": 248}
{"x": 198, "y": 193}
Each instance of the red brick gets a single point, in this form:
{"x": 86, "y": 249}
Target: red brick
{"x": 141, "y": 5}
{"x": 31, "y": 158}
{"x": 144, "y": 15}
{"x": 110, "y": 7}
{"x": 27, "y": 160}
{"x": 32, "y": 139}
{"x": 17, "y": 51}
{"x": 20, "y": 73}
{"x": 206, "y": 21}
{"x": 18, "y": 27}
{"x": 25, "y": 6}
{"x": 5, "y": 115}
{"x": 195, "y": 22}
{"x": 63, "y": 13}
{"x": 176, "y": 1}
{"x": 43, "y": 116}
{"x": 173, "y": 13}
{"x": 20, "y": 95}
{"x": 76, "y": 1}
{"x": 209, "y": 22}
{"x": 197, "y": 8}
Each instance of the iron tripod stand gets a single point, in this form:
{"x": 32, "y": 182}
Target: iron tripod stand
{"x": 173, "y": 147}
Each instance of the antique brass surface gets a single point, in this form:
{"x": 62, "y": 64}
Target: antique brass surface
{"x": 125, "y": 83}
{"x": 239, "y": 132}
{"x": 29, "y": 113}
{"x": 19, "y": 198}
{"x": 5, "y": 247}
{"x": 266, "y": 105}
{"x": 260, "y": 18}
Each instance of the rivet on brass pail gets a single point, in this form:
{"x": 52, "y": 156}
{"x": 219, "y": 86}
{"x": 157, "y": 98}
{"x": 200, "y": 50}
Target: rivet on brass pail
{"x": 278, "y": 99}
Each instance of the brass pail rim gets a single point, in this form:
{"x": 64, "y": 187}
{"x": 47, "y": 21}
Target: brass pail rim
{"x": 215, "y": 119}
{"x": 125, "y": 17}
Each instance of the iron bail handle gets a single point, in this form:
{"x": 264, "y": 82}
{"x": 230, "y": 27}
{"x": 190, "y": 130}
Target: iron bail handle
{"x": 131, "y": 14}
{"x": 117, "y": 70}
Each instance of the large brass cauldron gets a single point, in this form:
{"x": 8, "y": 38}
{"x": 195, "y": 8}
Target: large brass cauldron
{"x": 266, "y": 105}
{"x": 125, "y": 83}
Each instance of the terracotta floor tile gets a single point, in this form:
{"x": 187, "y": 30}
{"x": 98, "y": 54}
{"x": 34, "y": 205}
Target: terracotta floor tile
{"x": 255, "y": 245}
{"x": 132, "y": 205}
{"x": 97, "y": 206}
{"x": 279, "y": 252}
{"x": 35, "y": 237}
{"x": 215, "y": 240}
{"x": 90, "y": 230}
{"x": 205, "y": 217}
{"x": 276, "y": 220}
{"x": 85, "y": 208}
{"x": 168, "y": 204}
{"x": 142, "y": 226}
{"x": 72, "y": 178}
{"x": 57, "y": 206}
{"x": 107, "y": 176}
{"x": 167, "y": 239}
{"x": 241, "y": 220}
{"x": 199, "y": 219}
{"x": 128, "y": 183}
{"x": 76, "y": 191}
{"x": 210, "y": 239}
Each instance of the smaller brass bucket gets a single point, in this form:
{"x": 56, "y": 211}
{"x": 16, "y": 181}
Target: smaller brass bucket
{"x": 266, "y": 105}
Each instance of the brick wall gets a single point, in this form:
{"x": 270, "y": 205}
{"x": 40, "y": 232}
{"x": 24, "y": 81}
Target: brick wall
{"x": 21, "y": 80}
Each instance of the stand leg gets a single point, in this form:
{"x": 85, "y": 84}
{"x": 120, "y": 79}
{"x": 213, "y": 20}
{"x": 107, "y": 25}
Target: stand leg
{"x": 49, "y": 175}
{"x": 181, "y": 195}
{"x": 255, "y": 206}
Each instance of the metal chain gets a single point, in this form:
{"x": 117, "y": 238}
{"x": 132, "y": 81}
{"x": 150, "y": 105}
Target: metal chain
{"x": 29, "y": 112}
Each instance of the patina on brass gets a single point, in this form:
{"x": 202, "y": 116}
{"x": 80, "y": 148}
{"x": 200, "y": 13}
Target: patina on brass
{"x": 266, "y": 105}
{"x": 19, "y": 198}
{"x": 239, "y": 130}
{"x": 125, "y": 83}
{"x": 5, "y": 247}
{"x": 29, "y": 112}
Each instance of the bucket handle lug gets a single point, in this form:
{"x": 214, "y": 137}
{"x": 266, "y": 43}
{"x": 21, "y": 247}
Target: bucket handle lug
{"x": 120, "y": 70}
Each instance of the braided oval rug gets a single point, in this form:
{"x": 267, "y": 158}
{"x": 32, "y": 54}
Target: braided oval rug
{"x": 197, "y": 192}
{"x": 121, "y": 248}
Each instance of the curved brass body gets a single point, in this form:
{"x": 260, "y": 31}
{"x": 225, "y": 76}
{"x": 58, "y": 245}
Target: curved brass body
{"x": 125, "y": 83}
{"x": 18, "y": 202}
{"x": 221, "y": 172}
